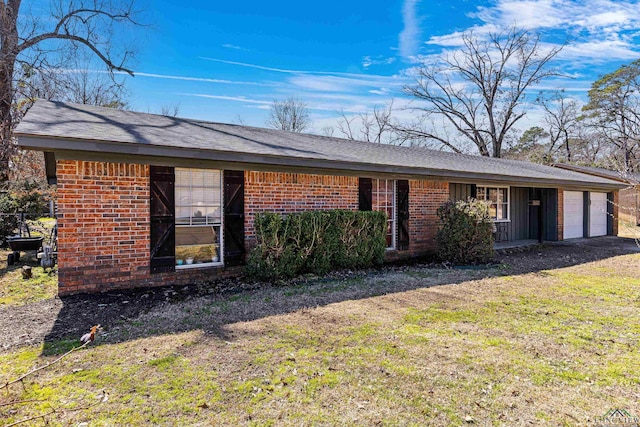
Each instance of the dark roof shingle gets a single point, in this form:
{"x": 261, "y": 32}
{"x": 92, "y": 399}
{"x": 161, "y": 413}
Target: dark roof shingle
{"x": 58, "y": 122}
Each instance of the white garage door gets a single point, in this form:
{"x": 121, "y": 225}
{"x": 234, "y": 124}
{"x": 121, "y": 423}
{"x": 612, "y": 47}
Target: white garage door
{"x": 598, "y": 215}
{"x": 573, "y": 214}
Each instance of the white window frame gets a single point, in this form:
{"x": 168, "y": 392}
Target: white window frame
{"x": 221, "y": 247}
{"x": 486, "y": 193}
{"x": 394, "y": 220}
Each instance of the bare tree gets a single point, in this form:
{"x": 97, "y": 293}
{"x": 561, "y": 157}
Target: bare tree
{"x": 239, "y": 120}
{"x": 561, "y": 118}
{"x": 83, "y": 88}
{"x": 327, "y": 131}
{"x": 290, "y": 114}
{"x": 170, "y": 110}
{"x": 372, "y": 126}
{"x": 477, "y": 92}
{"x": 33, "y": 43}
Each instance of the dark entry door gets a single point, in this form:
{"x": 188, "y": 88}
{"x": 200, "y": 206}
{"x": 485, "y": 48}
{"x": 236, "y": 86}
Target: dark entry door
{"x": 535, "y": 214}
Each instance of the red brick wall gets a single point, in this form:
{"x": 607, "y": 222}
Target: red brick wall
{"x": 425, "y": 197}
{"x": 103, "y": 230}
{"x": 560, "y": 214}
{"x": 103, "y": 235}
{"x": 628, "y": 206}
{"x": 294, "y": 192}
{"x": 290, "y": 192}
{"x": 616, "y": 211}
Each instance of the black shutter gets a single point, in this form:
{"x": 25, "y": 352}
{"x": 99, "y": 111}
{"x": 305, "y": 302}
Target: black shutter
{"x": 474, "y": 191}
{"x": 402, "y": 213}
{"x": 364, "y": 194}
{"x": 163, "y": 232}
{"x": 585, "y": 214}
{"x": 610, "y": 218}
{"x": 233, "y": 217}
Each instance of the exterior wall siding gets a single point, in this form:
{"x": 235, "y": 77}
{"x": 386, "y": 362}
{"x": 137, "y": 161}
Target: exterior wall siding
{"x": 560, "y": 216}
{"x": 459, "y": 191}
{"x": 629, "y": 206}
{"x": 519, "y": 224}
{"x": 425, "y": 197}
{"x": 616, "y": 212}
{"x": 294, "y": 192}
{"x": 104, "y": 220}
{"x": 103, "y": 230}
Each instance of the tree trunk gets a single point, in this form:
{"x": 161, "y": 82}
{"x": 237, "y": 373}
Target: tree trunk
{"x": 8, "y": 54}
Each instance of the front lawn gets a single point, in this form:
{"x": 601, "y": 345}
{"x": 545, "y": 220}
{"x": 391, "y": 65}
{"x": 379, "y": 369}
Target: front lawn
{"x": 14, "y": 290}
{"x": 548, "y": 347}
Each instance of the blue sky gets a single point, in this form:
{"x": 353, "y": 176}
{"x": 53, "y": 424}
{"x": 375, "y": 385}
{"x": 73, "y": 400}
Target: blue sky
{"x": 221, "y": 61}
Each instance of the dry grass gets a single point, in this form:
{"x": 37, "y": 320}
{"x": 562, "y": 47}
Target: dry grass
{"x": 555, "y": 347}
{"x": 14, "y": 290}
{"x": 629, "y": 229}
{"x": 43, "y": 285}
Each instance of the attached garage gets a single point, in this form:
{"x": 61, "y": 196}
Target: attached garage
{"x": 574, "y": 214}
{"x": 597, "y": 214}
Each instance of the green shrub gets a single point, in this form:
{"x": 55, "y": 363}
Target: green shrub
{"x": 466, "y": 235}
{"x": 315, "y": 242}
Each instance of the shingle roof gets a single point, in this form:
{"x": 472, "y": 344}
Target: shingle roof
{"x": 56, "y": 126}
{"x": 629, "y": 177}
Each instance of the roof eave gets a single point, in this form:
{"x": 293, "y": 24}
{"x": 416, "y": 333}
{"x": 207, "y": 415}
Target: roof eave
{"x": 592, "y": 173}
{"x": 82, "y": 149}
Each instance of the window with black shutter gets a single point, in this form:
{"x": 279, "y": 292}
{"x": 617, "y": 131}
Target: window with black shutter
{"x": 380, "y": 195}
{"x": 162, "y": 216}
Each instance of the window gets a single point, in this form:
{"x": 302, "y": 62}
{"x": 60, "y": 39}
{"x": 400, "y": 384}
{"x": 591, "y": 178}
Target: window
{"x": 198, "y": 194}
{"x": 383, "y": 198}
{"x": 499, "y": 198}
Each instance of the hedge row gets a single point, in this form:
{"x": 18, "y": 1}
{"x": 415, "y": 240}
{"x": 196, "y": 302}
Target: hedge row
{"x": 316, "y": 242}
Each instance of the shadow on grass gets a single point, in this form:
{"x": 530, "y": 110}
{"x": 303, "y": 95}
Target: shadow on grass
{"x": 127, "y": 315}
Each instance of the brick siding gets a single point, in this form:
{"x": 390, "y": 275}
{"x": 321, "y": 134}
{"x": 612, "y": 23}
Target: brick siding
{"x": 103, "y": 230}
{"x": 294, "y": 192}
{"x": 425, "y": 197}
{"x": 616, "y": 211}
{"x": 628, "y": 207}
{"x": 104, "y": 235}
{"x": 560, "y": 216}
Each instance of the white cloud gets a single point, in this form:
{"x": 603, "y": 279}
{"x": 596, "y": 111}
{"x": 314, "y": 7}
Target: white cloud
{"x": 291, "y": 71}
{"x": 382, "y": 91}
{"x": 344, "y": 84}
{"x": 201, "y": 79}
{"x": 368, "y": 61}
{"x": 594, "y": 32}
{"x": 233, "y": 46}
{"x": 312, "y": 103}
{"x": 599, "y": 51}
{"x": 409, "y": 38}
{"x": 594, "y": 15}
{"x": 525, "y": 14}
{"x": 599, "y": 35}
{"x": 227, "y": 98}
